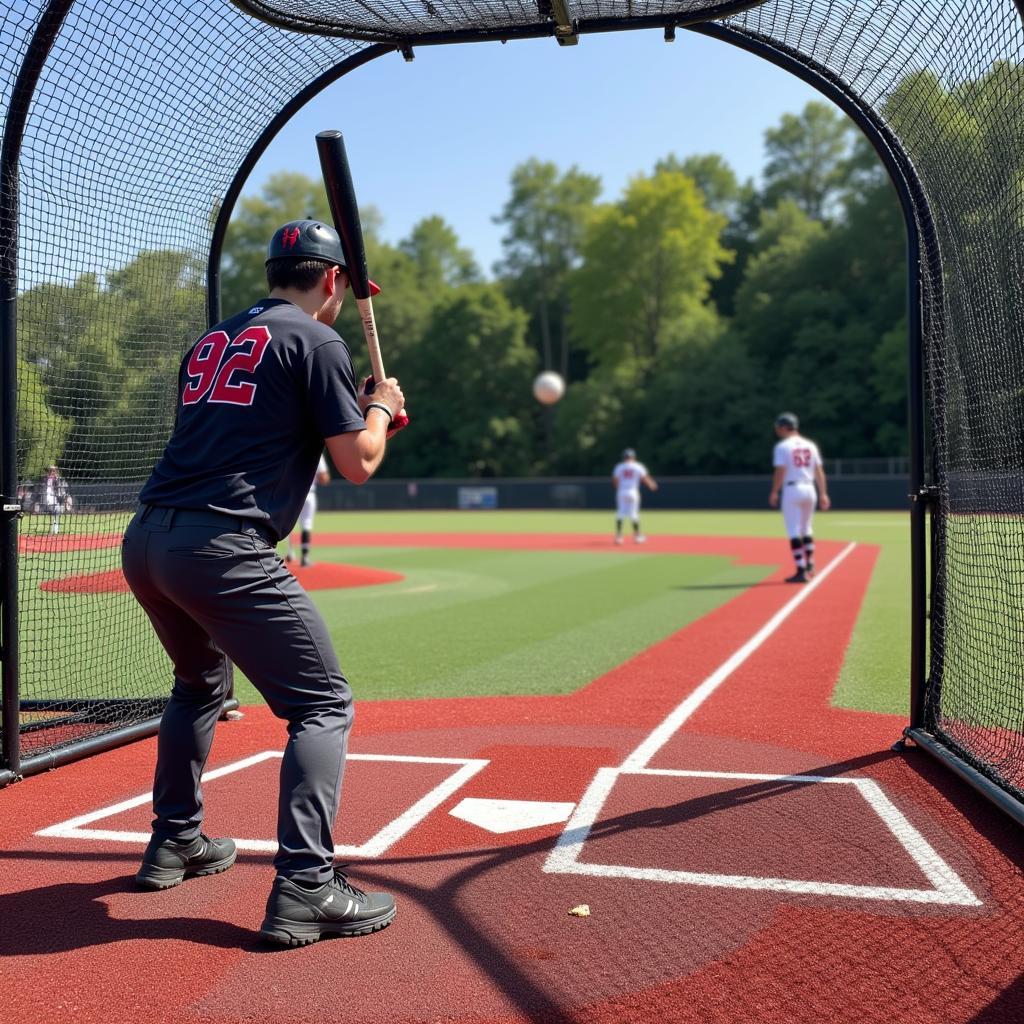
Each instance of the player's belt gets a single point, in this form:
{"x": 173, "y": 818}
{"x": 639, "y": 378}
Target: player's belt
{"x": 203, "y": 517}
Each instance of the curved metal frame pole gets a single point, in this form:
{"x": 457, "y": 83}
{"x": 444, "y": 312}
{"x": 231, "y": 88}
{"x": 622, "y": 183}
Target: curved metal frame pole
{"x": 24, "y": 89}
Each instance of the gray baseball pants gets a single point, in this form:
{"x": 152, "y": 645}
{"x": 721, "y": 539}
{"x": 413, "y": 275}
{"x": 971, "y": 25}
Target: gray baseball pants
{"x": 214, "y": 588}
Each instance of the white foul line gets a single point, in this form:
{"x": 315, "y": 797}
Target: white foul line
{"x": 373, "y": 847}
{"x": 641, "y": 757}
{"x": 947, "y": 887}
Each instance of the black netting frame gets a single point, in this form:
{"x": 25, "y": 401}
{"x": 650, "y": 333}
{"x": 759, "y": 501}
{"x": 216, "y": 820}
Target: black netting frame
{"x": 195, "y": 96}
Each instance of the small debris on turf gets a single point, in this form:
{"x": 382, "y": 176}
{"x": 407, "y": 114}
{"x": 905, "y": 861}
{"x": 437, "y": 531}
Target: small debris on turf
{"x": 583, "y": 910}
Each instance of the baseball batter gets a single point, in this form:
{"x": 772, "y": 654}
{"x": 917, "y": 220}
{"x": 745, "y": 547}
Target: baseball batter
{"x": 259, "y": 396}
{"x": 798, "y": 470}
{"x": 626, "y": 479}
{"x": 323, "y": 476}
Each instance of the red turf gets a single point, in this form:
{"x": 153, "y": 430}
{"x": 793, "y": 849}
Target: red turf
{"x": 483, "y": 933}
{"x": 67, "y": 542}
{"x": 322, "y": 576}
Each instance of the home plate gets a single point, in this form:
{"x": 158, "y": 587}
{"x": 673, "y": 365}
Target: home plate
{"x": 510, "y": 815}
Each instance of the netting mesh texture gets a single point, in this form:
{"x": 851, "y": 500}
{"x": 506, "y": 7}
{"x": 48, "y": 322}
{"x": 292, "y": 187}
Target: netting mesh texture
{"x": 948, "y": 79}
{"x": 407, "y": 19}
{"x": 141, "y": 117}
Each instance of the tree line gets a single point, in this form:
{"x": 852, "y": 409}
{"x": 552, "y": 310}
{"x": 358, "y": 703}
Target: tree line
{"x": 684, "y": 313}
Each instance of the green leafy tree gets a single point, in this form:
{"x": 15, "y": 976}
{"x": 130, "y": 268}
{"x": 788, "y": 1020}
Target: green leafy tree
{"x": 103, "y": 358}
{"x": 809, "y": 159}
{"x": 707, "y": 410}
{"x": 468, "y": 383}
{"x": 648, "y": 260}
{"x": 712, "y": 174}
{"x": 401, "y": 310}
{"x": 818, "y": 313}
{"x": 545, "y": 217}
{"x": 41, "y": 432}
{"x": 285, "y": 196}
{"x": 970, "y": 138}
{"x": 440, "y": 261}
{"x": 738, "y": 201}
{"x": 408, "y": 290}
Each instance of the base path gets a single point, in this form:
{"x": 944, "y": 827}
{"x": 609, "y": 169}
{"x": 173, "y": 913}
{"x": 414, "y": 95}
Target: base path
{"x": 747, "y": 852}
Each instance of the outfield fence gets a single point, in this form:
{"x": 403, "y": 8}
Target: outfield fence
{"x": 859, "y": 491}
{"x": 879, "y": 493}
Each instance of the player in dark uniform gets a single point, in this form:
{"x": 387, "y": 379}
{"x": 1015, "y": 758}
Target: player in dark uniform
{"x": 259, "y": 396}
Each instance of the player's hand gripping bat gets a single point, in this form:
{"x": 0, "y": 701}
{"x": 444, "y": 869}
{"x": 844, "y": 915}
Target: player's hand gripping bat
{"x": 342, "y": 198}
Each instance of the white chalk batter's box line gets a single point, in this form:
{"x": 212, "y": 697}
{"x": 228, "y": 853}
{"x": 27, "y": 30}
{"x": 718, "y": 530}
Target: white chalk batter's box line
{"x": 947, "y": 887}
{"x": 373, "y": 847}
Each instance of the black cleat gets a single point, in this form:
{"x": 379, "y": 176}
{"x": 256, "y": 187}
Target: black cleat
{"x": 168, "y": 862}
{"x": 297, "y": 916}
{"x": 798, "y": 577}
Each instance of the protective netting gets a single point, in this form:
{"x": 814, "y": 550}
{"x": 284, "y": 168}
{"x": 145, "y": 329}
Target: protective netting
{"x": 398, "y": 20}
{"x": 948, "y": 81}
{"x": 142, "y": 115}
{"x": 140, "y": 119}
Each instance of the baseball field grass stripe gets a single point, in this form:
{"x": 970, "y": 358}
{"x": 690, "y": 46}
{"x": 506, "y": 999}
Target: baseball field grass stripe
{"x": 873, "y": 677}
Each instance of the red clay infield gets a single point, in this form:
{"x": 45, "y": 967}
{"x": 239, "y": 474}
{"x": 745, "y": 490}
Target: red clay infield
{"x": 55, "y": 542}
{"x": 721, "y": 887}
{"x": 321, "y": 576}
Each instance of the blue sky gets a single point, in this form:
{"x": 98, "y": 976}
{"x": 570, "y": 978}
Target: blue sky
{"x": 442, "y": 134}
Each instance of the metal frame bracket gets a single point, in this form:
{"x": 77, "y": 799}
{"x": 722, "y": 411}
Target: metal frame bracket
{"x": 566, "y": 31}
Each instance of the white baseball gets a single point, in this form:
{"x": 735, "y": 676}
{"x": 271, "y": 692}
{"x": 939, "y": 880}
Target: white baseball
{"x": 548, "y": 387}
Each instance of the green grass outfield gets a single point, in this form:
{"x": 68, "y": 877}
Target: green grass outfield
{"x": 491, "y": 622}
{"x": 472, "y": 622}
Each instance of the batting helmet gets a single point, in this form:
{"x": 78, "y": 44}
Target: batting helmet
{"x": 787, "y": 419}
{"x": 309, "y": 240}
{"x": 629, "y": 453}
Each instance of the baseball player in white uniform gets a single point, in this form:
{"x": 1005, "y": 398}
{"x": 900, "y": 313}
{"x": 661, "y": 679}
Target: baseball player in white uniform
{"x": 626, "y": 479}
{"x": 308, "y": 512}
{"x": 798, "y": 470}
{"x": 56, "y": 499}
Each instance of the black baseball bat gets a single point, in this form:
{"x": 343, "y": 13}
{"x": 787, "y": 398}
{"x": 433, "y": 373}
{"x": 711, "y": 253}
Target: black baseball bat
{"x": 345, "y": 211}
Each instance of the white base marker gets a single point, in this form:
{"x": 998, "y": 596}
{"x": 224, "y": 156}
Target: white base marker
{"x": 501, "y": 816}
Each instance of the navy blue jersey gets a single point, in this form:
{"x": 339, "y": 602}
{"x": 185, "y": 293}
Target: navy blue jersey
{"x": 257, "y": 395}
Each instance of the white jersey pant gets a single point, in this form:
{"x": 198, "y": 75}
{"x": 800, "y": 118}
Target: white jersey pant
{"x": 308, "y": 511}
{"x": 798, "y": 503}
{"x": 628, "y": 505}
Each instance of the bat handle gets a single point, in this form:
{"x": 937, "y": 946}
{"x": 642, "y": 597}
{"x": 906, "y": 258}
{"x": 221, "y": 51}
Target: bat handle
{"x": 365, "y": 307}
